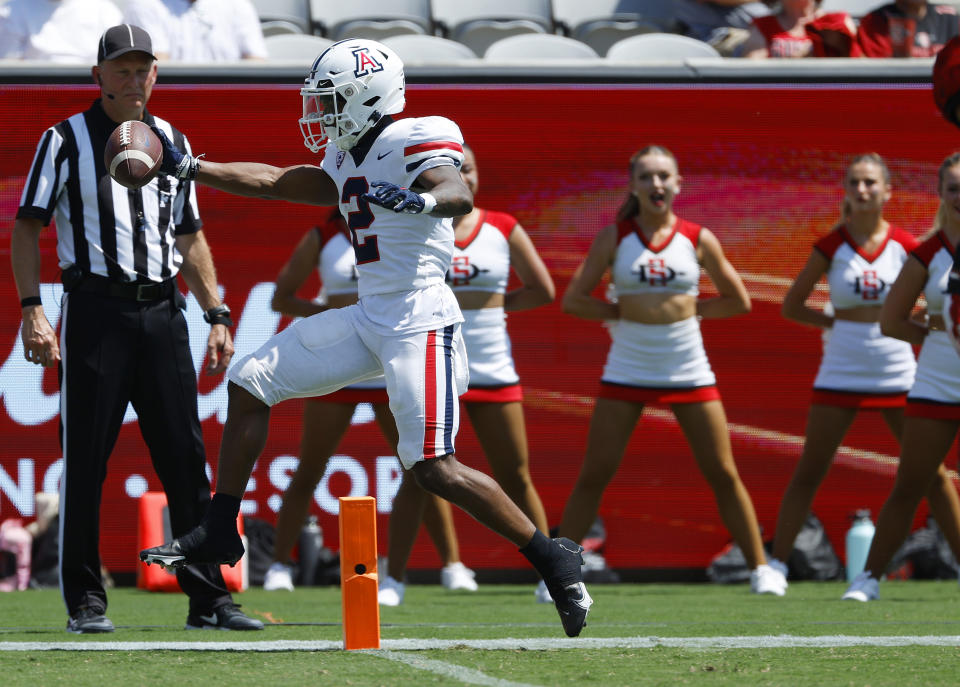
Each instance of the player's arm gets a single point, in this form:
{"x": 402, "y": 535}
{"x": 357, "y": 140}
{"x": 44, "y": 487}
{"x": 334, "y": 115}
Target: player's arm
{"x": 896, "y": 314}
{"x": 440, "y": 193}
{"x": 536, "y": 284}
{"x": 40, "y": 344}
{"x": 733, "y": 298}
{"x": 306, "y": 184}
{"x": 795, "y": 302}
{"x": 292, "y": 276}
{"x": 578, "y": 299}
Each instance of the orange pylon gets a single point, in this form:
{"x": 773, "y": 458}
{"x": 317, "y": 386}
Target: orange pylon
{"x": 358, "y": 572}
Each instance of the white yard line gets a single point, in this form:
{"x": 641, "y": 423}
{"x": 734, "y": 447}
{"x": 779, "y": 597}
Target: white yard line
{"x": 510, "y": 644}
{"x": 450, "y": 670}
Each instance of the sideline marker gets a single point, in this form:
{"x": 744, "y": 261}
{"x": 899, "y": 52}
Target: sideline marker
{"x": 358, "y": 572}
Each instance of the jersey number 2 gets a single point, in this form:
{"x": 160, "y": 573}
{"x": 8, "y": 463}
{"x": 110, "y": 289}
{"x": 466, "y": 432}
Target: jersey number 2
{"x": 361, "y": 218}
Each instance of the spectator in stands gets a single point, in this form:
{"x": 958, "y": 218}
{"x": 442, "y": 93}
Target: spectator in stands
{"x": 802, "y": 29}
{"x": 55, "y": 30}
{"x": 657, "y": 356}
{"x": 327, "y": 248}
{"x": 932, "y": 415}
{"x": 861, "y": 368}
{"x": 907, "y": 28}
{"x": 946, "y": 81}
{"x": 200, "y": 30}
{"x": 724, "y": 24}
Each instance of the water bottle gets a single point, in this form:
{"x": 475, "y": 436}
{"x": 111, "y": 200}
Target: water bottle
{"x": 311, "y": 543}
{"x": 859, "y": 537}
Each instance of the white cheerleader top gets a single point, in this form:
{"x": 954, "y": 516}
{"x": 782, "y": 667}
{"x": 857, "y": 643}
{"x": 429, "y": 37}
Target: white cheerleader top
{"x": 337, "y": 264}
{"x": 670, "y": 267}
{"x": 858, "y": 278}
{"x": 481, "y": 262}
{"x": 937, "y": 256}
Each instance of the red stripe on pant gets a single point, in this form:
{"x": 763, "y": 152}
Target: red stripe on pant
{"x": 430, "y": 397}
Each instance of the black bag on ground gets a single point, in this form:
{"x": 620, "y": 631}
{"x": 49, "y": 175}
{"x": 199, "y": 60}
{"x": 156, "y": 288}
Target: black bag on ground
{"x": 260, "y": 541}
{"x": 319, "y": 566}
{"x": 45, "y": 557}
{"x": 813, "y": 558}
{"x": 729, "y": 566}
{"x": 926, "y": 550}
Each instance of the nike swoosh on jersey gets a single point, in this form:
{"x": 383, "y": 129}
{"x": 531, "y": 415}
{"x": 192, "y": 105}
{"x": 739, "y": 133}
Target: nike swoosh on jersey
{"x": 380, "y": 156}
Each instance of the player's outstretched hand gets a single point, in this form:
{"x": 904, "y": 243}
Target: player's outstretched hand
{"x": 175, "y": 162}
{"x": 397, "y": 198}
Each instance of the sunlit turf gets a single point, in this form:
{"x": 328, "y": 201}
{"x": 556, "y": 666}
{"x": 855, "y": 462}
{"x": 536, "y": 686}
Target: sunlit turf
{"x": 507, "y": 611}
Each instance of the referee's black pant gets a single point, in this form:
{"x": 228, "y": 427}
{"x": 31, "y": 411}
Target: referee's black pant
{"x": 116, "y": 350}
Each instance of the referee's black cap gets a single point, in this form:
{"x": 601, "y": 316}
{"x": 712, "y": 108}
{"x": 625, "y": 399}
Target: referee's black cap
{"x": 121, "y": 39}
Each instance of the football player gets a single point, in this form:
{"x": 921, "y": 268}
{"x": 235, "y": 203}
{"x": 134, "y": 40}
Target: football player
{"x": 398, "y": 185}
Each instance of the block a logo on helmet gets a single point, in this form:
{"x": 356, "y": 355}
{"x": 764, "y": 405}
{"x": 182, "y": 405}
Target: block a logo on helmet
{"x": 366, "y": 63}
{"x": 351, "y": 85}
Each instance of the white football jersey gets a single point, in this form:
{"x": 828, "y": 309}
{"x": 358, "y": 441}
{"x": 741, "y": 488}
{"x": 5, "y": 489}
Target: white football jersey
{"x": 396, "y": 252}
{"x": 857, "y": 278}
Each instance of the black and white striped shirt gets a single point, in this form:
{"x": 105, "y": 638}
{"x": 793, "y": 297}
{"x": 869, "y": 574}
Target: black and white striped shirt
{"x": 103, "y": 227}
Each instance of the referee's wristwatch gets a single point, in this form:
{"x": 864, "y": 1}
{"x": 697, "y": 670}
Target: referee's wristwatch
{"x": 218, "y": 315}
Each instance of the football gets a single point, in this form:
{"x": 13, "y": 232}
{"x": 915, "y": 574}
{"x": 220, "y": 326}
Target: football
{"x": 133, "y": 154}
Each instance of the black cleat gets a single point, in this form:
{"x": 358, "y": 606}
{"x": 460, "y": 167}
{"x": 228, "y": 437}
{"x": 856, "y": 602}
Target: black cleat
{"x": 567, "y": 588}
{"x": 197, "y": 547}
{"x": 227, "y": 617}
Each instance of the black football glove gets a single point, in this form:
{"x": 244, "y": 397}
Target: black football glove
{"x": 175, "y": 162}
{"x": 399, "y": 199}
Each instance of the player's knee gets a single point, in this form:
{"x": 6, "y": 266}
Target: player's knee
{"x": 436, "y": 475}
{"x": 241, "y": 400}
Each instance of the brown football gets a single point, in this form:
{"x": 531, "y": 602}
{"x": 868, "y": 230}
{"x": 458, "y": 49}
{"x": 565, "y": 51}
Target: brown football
{"x": 133, "y": 154}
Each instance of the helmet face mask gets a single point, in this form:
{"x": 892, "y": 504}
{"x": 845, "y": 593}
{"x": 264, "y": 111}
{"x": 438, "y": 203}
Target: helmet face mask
{"x": 351, "y": 85}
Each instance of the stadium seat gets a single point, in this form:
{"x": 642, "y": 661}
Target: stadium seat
{"x": 278, "y": 27}
{"x": 480, "y": 23}
{"x": 293, "y": 11}
{"x": 536, "y": 47}
{"x": 855, "y": 8}
{"x": 659, "y": 46}
{"x": 601, "y": 23}
{"x": 414, "y": 49}
{"x": 375, "y": 19}
{"x": 296, "y": 46}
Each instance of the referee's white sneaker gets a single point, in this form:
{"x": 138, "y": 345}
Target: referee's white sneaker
{"x": 278, "y": 577}
{"x": 458, "y": 576}
{"x": 765, "y": 579}
{"x": 391, "y": 592}
{"x": 863, "y": 588}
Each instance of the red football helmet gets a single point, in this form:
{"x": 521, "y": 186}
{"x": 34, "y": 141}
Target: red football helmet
{"x": 946, "y": 80}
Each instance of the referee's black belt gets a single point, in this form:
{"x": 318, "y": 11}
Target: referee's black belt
{"x": 134, "y": 291}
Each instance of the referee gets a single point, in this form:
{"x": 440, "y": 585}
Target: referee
{"x": 123, "y": 336}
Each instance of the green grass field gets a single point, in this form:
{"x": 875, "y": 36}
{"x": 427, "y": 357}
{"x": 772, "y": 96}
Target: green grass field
{"x": 641, "y": 634}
